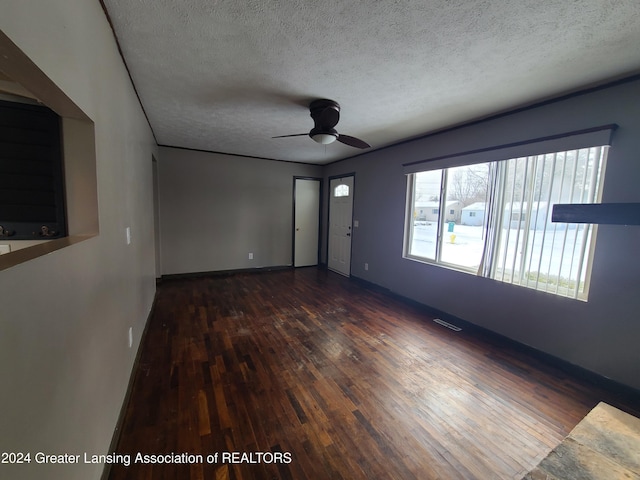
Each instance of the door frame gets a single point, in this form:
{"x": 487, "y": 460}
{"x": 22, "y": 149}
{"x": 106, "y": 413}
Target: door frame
{"x": 334, "y": 177}
{"x": 293, "y": 218}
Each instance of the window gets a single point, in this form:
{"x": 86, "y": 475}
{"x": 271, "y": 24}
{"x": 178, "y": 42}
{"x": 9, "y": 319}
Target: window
{"x": 341, "y": 191}
{"x": 426, "y": 191}
{"x": 505, "y": 230}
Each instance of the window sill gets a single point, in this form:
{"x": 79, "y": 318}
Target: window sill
{"x": 17, "y": 257}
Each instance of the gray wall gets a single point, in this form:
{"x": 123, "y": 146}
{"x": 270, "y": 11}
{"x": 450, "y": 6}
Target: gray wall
{"x": 65, "y": 362}
{"x": 215, "y": 209}
{"x": 601, "y": 335}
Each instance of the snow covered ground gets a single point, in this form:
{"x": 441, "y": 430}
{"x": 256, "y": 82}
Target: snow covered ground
{"x": 543, "y": 254}
{"x": 466, "y": 249}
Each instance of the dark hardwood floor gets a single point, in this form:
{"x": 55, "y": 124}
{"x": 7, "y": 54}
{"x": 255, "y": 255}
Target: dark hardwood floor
{"x": 348, "y": 381}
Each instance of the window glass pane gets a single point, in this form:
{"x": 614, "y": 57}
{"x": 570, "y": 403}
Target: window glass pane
{"x": 463, "y": 236}
{"x": 425, "y": 218}
{"x": 341, "y": 191}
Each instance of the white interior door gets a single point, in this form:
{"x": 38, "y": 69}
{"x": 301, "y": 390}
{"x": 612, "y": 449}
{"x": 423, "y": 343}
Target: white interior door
{"x": 306, "y": 222}
{"x": 340, "y": 216}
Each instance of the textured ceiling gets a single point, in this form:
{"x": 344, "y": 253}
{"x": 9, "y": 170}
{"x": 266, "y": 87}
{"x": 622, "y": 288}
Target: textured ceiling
{"x": 227, "y": 75}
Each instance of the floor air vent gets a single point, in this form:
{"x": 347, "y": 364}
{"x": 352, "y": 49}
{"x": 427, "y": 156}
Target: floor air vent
{"x": 447, "y": 324}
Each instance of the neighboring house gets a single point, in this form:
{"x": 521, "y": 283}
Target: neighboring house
{"x": 517, "y": 213}
{"x": 430, "y": 211}
{"x": 473, "y": 214}
{"x": 514, "y": 215}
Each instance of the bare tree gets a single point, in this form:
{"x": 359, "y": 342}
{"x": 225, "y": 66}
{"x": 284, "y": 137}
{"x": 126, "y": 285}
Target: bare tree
{"x": 468, "y": 184}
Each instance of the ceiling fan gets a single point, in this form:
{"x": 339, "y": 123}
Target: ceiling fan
{"x": 326, "y": 114}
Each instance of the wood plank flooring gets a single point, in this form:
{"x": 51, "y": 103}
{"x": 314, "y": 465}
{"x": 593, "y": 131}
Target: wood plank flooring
{"x": 350, "y": 382}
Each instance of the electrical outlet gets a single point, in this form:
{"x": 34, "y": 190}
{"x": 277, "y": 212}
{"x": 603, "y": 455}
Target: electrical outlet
{"x": 130, "y": 337}
{"x": 250, "y": 256}
{"x": 356, "y": 224}
{"x": 366, "y": 266}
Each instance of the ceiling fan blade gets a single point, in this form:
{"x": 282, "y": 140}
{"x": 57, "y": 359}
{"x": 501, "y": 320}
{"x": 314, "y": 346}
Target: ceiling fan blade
{"x": 294, "y": 135}
{"x": 353, "y": 141}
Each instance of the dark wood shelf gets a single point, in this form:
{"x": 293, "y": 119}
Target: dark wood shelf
{"x": 601, "y": 213}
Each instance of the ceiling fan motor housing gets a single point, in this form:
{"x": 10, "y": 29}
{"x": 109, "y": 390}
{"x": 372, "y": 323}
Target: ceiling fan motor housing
{"x": 318, "y": 106}
{"x": 325, "y": 113}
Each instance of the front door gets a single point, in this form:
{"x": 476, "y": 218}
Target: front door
{"x": 340, "y": 217}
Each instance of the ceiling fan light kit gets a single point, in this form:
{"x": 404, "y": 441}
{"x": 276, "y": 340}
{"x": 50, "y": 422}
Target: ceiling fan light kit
{"x": 326, "y": 114}
{"x": 323, "y": 138}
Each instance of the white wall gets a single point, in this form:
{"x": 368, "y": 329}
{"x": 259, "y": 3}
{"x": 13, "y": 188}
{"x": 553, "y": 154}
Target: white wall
{"x": 215, "y": 209}
{"x": 602, "y": 335}
{"x": 64, "y": 317}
